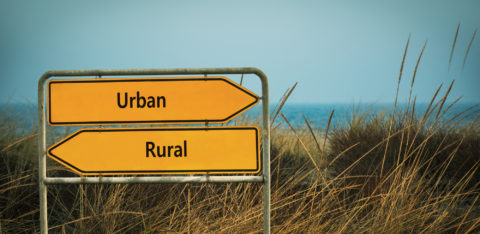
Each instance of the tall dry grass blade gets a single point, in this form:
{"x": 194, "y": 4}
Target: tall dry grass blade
{"x": 427, "y": 111}
{"x": 189, "y": 200}
{"x": 474, "y": 225}
{"x": 451, "y": 105}
{"x": 282, "y": 103}
{"x": 322, "y": 150}
{"x": 326, "y": 133}
{"x": 459, "y": 120}
{"x": 431, "y": 134}
{"x": 408, "y": 103}
{"x": 442, "y": 102}
{"x": 313, "y": 134}
{"x": 463, "y": 182}
{"x": 394, "y": 106}
{"x": 410, "y": 123}
{"x": 418, "y": 165}
{"x": 468, "y": 49}
{"x": 342, "y": 153}
{"x": 445, "y": 110}
{"x": 366, "y": 154}
{"x": 274, "y": 111}
{"x": 418, "y": 62}
{"x": 447, "y": 162}
{"x": 97, "y": 215}
{"x": 278, "y": 125}
{"x": 425, "y": 117}
{"x": 279, "y": 160}
{"x": 414, "y": 75}
{"x": 312, "y": 203}
{"x": 301, "y": 142}
{"x": 279, "y": 101}
{"x": 453, "y": 46}
{"x": 442, "y": 126}
{"x": 18, "y": 141}
{"x": 403, "y": 61}
{"x": 410, "y": 96}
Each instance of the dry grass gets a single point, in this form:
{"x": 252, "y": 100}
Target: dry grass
{"x": 393, "y": 172}
{"x": 320, "y": 183}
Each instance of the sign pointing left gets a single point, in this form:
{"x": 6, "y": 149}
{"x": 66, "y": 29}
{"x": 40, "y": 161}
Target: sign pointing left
{"x": 184, "y": 150}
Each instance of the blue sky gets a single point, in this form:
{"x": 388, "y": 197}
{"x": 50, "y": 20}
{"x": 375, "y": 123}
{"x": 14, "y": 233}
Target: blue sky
{"x": 338, "y": 51}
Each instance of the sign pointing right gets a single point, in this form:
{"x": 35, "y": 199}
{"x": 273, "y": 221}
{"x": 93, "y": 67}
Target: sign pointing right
{"x": 146, "y": 100}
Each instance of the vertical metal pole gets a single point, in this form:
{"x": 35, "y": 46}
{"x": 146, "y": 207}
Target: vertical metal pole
{"x": 43, "y": 142}
{"x": 42, "y": 160}
{"x": 266, "y": 156}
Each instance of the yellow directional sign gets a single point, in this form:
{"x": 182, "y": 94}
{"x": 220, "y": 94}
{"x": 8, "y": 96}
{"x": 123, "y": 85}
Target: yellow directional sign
{"x": 183, "y": 150}
{"x": 146, "y": 100}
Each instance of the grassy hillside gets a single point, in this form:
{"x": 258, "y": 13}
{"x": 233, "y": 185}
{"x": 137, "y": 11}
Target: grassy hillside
{"x": 396, "y": 172}
{"x": 378, "y": 173}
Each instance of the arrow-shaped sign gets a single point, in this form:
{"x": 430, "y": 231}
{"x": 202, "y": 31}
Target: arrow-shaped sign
{"x": 182, "y": 150}
{"x": 146, "y": 100}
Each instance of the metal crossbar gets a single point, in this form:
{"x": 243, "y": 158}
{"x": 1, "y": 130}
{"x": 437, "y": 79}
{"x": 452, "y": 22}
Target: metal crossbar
{"x": 42, "y": 157}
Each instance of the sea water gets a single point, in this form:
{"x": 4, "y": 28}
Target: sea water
{"x": 317, "y": 114}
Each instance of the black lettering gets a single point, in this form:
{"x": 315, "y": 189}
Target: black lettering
{"x": 163, "y": 152}
{"x": 185, "y": 148}
{"x": 178, "y": 151}
{"x": 166, "y": 150}
{"x": 169, "y": 149}
{"x": 131, "y": 101}
{"x": 162, "y": 98}
{"x": 150, "y": 146}
{"x": 142, "y": 101}
{"x": 140, "y": 98}
{"x": 119, "y": 103}
{"x": 151, "y": 102}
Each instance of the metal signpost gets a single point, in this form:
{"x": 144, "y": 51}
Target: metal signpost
{"x": 179, "y": 150}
